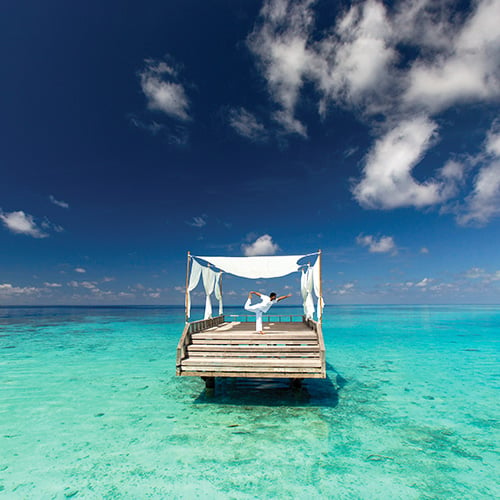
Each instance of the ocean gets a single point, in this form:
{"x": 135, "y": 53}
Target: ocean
{"x": 90, "y": 407}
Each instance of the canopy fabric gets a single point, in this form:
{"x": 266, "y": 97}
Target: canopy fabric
{"x": 194, "y": 279}
{"x": 218, "y": 292}
{"x": 306, "y": 283}
{"x": 257, "y": 267}
{"x": 209, "y": 279}
{"x": 317, "y": 289}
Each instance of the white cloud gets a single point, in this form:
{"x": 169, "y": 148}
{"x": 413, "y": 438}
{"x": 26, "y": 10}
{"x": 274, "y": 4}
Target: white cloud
{"x": 90, "y": 285}
{"x": 395, "y": 68}
{"x": 387, "y": 181}
{"x": 59, "y": 203}
{"x": 475, "y": 272}
{"x": 424, "y": 283}
{"x": 246, "y": 124}
{"x": 464, "y": 70}
{"x": 384, "y": 244}
{"x": 80, "y": 270}
{"x": 344, "y": 289}
{"x": 163, "y": 93}
{"x": 21, "y": 223}
{"x": 7, "y": 289}
{"x": 359, "y": 54}
{"x": 263, "y": 245}
{"x": 279, "y": 42}
{"x": 484, "y": 201}
{"x": 198, "y": 221}
{"x": 52, "y": 285}
{"x": 424, "y": 250}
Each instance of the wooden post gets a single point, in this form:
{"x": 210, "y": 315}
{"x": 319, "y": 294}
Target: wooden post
{"x": 320, "y": 316}
{"x": 220, "y": 290}
{"x": 187, "y": 284}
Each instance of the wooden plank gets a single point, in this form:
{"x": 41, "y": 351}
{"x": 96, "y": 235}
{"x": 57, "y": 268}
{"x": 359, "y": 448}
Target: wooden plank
{"x": 256, "y": 348}
{"x": 253, "y": 362}
{"x": 256, "y": 336}
{"x": 262, "y": 355}
{"x": 251, "y": 374}
{"x": 260, "y": 341}
{"x": 253, "y": 369}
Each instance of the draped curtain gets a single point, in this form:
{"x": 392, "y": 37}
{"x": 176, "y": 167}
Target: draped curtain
{"x": 194, "y": 279}
{"x": 209, "y": 278}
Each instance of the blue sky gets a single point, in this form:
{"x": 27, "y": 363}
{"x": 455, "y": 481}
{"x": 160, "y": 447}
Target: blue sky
{"x": 134, "y": 132}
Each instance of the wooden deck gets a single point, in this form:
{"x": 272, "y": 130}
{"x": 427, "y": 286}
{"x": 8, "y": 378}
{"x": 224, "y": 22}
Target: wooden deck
{"x": 220, "y": 348}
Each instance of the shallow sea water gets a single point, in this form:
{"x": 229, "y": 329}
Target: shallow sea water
{"x": 90, "y": 407}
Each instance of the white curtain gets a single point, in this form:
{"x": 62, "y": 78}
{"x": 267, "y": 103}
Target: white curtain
{"x": 194, "y": 279}
{"x": 209, "y": 278}
{"x": 306, "y": 290}
{"x": 316, "y": 278}
{"x": 257, "y": 267}
{"x": 303, "y": 288}
{"x": 218, "y": 292}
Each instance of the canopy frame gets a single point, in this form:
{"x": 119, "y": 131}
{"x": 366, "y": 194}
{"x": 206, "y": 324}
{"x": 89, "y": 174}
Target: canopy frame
{"x": 189, "y": 265}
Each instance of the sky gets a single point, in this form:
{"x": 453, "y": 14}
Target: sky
{"x": 133, "y": 132}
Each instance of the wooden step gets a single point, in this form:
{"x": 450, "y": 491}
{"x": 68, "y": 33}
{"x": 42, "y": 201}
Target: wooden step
{"x": 251, "y": 362}
{"x": 271, "y": 349}
{"x": 253, "y": 369}
{"x": 255, "y": 374}
{"x": 247, "y": 335}
{"x": 254, "y": 352}
{"x": 254, "y": 341}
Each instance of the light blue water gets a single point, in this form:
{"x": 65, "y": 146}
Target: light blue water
{"x": 90, "y": 408}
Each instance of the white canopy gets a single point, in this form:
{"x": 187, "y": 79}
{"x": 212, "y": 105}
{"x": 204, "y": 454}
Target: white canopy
{"x": 257, "y": 267}
{"x": 260, "y": 267}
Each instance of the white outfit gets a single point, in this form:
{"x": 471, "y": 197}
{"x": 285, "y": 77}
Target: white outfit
{"x": 259, "y": 309}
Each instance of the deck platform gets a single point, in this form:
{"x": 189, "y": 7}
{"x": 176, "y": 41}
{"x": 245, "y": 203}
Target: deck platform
{"x": 219, "y": 347}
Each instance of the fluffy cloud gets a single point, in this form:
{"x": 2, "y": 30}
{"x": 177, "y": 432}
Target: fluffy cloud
{"x": 280, "y": 43}
{"x": 7, "y": 289}
{"x": 80, "y": 270}
{"x": 163, "y": 92}
{"x": 246, "y": 124}
{"x": 424, "y": 283}
{"x": 387, "y": 181}
{"x": 344, "y": 289}
{"x": 484, "y": 201}
{"x": 465, "y": 69}
{"x": 21, "y": 223}
{"x": 476, "y": 273}
{"x": 263, "y": 245}
{"x": 384, "y": 244}
{"x": 59, "y": 203}
{"x": 396, "y": 69}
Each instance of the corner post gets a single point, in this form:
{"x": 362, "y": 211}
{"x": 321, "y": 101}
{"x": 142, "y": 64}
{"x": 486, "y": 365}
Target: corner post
{"x": 187, "y": 284}
{"x": 320, "y": 289}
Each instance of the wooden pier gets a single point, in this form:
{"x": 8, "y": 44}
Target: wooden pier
{"x": 291, "y": 347}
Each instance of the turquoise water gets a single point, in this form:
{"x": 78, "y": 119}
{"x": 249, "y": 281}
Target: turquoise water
{"x": 90, "y": 407}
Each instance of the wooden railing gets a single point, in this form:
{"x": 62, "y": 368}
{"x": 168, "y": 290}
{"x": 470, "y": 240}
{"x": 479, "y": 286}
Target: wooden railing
{"x": 316, "y": 326}
{"x": 275, "y": 318}
{"x": 194, "y": 327}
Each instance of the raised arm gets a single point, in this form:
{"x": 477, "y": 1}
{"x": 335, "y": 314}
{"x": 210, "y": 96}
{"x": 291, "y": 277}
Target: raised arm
{"x": 283, "y": 297}
{"x": 256, "y": 293}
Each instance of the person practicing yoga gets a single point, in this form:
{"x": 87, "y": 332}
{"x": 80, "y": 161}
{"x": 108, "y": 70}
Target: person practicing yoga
{"x": 262, "y": 307}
